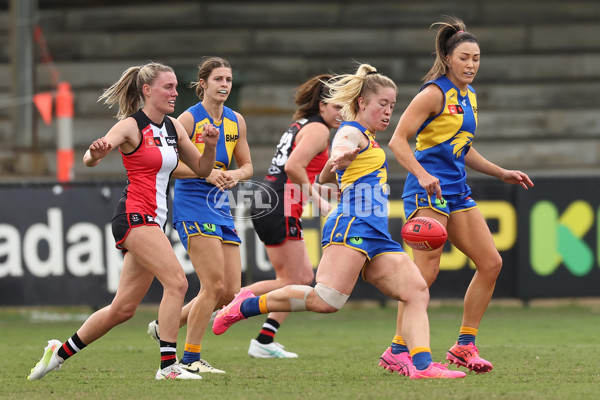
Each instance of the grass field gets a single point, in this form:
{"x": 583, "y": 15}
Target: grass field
{"x": 539, "y": 352}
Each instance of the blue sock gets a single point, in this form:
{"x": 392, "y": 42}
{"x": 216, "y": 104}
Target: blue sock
{"x": 464, "y": 339}
{"x": 250, "y": 307}
{"x": 189, "y": 357}
{"x": 399, "y": 348}
{"x": 422, "y": 360}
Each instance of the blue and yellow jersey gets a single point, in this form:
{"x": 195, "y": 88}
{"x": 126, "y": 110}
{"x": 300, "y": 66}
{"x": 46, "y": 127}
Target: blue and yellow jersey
{"x": 444, "y": 140}
{"x": 196, "y": 199}
{"x": 364, "y": 184}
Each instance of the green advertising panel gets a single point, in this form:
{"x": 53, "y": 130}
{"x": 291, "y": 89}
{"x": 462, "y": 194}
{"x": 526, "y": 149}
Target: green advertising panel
{"x": 560, "y": 219}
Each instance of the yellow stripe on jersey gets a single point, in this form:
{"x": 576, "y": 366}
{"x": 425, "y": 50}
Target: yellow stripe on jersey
{"x": 446, "y": 125}
{"x": 365, "y": 163}
{"x": 197, "y": 136}
{"x": 231, "y": 136}
{"x": 230, "y": 129}
{"x": 461, "y": 141}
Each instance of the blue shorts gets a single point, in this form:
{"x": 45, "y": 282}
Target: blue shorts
{"x": 447, "y": 205}
{"x": 224, "y": 233}
{"x": 358, "y": 235}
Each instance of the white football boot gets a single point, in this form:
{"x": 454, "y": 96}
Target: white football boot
{"x": 271, "y": 350}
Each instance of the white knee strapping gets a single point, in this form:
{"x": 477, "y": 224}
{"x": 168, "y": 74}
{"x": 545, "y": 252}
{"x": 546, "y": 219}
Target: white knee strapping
{"x": 298, "y": 296}
{"x": 331, "y": 296}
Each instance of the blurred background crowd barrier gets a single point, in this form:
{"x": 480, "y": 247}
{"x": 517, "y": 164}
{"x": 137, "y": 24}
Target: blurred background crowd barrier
{"x": 56, "y": 244}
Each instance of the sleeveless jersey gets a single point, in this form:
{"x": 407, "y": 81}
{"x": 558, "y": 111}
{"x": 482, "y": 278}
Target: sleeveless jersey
{"x": 149, "y": 169}
{"x": 444, "y": 140}
{"x": 277, "y": 179}
{"x": 196, "y": 199}
{"x": 364, "y": 184}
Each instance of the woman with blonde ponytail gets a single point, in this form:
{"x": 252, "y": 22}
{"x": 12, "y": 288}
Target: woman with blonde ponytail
{"x": 301, "y": 154}
{"x": 356, "y": 240}
{"x": 443, "y": 116}
{"x": 150, "y": 143}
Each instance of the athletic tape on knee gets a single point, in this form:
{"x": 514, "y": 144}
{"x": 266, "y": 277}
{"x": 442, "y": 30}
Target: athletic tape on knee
{"x": 331, "y": 296}
{"x": 298, "y": 295}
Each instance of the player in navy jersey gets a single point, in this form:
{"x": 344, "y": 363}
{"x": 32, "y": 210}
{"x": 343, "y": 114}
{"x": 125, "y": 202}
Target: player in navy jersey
{"x": 443, "y": 116}
{"x": 301, "y": 154}
{"x": 151, "y": 144}
{"x": 201, "y": 209}
{"x": 356, "y": 240}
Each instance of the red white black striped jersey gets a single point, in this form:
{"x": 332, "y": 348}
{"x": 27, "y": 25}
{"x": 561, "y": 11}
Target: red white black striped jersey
{"x": 149, "y": 168}
{"x": 293, "y": 199}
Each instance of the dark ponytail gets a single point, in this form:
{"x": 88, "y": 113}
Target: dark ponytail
{"x": 451, "y": 32}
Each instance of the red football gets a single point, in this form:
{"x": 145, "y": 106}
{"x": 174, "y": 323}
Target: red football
{"x": 424, "y": 233}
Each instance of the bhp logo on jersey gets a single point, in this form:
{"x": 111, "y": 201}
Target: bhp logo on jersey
{"x": 263, "y": 198}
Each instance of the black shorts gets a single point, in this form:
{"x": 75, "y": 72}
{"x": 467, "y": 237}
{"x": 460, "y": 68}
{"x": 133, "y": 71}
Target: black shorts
{"x": 274, "y": 229}
{"x": 123, "y": 223}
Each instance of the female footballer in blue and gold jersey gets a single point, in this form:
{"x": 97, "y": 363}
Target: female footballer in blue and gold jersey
{"x": 201, "y": 211}
{"x": 443, "y": 116}
{"x": 356, "y": 239}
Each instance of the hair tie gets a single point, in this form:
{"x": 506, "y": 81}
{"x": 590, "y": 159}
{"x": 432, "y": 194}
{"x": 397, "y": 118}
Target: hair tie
{"x": 460, "y": 31}
{"x": 372, "y": 72}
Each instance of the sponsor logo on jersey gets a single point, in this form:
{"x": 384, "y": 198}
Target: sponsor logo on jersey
{"x": 171, "y": 140}
{"x": 147, "y": 131}
{"x": 150, "y": 142}
{"x": 455, "y": 109}
{"x": 153, "y": 141}
{"x": 231, "y": 138}
{"x": 199, "y": 138}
